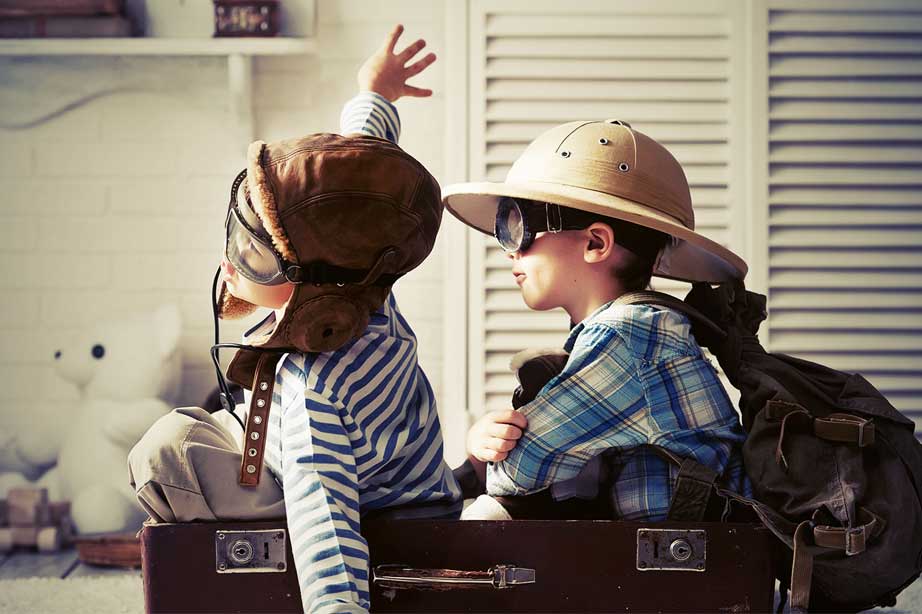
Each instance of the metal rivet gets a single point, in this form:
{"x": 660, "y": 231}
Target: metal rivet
{"x": 564, "y": 154}
{"x": 220, "y": 535}
{"x": 222, "y": 566}
{"x": 252, "y": 452}
{"x": 260, "y": 403}
{"x": 263, "y": 386}
{"x": 281, "y": 566}
{"x": 624, "y": 167}
{"x": 603, "y": 141}
{"x": 251, "y": 468}
{"x": 254, "y": 436}
{"x": 257, "y": 419}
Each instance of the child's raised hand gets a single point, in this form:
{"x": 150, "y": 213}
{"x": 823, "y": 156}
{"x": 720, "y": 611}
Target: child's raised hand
{"x": 493, "y": 435}
{"x": 386, "y": 72}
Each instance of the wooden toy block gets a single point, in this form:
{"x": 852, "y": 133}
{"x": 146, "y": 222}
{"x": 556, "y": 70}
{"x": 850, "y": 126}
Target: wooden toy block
{"x": 28, "y": 507}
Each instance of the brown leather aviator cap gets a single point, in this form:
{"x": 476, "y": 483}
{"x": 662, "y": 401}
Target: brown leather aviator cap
{"x": 354, "y": 214}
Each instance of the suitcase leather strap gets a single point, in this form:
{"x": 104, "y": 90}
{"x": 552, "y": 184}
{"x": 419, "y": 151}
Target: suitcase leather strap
{"x": 254, "y": 442}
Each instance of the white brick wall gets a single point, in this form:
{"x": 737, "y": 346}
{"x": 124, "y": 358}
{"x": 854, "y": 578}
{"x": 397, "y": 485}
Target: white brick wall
{"x": 118, "y": 205}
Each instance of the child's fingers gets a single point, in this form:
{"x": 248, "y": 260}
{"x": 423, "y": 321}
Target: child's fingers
{"x": 491, "y": 456}
{"x": 407, "y": 54}
{"x": 391, "y": 41}
{"x": 504, "y": 431}
{"x": 510, "y": 416}
{"x": 409, "y": 90}
{"x": 420, "y": 66}
{"x": 500, "y": 445}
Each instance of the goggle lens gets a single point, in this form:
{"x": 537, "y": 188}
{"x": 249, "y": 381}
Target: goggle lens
{"x": 509, "y": 229}
{"x": 248, "y": 254}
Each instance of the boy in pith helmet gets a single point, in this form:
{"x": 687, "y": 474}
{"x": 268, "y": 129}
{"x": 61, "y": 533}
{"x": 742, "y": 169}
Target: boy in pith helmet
{"x": 590, "y": 211}
{"x": 341, "y": 421}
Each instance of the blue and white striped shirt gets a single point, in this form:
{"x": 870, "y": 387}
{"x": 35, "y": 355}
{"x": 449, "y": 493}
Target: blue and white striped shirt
{"x": 352, "y": 431}
{"x": 635, "y": 376}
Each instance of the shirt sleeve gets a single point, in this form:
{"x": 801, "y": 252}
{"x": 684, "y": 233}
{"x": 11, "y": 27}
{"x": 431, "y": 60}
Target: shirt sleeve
{"x": 372, "y": 114}
{"x": 596, "y": 403}
{"x": 320, "y": 484}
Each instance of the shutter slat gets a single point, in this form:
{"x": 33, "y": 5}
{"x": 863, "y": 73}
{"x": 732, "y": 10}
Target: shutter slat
{"x": 781, "y": 88}
{"x": 677, "y": 70}
{"x": 854, "y": 216}
{"x": 849, "y": 298}
{"x": 869, "y": 131}
{"x": 830, "y": 174}
{"x": 835, "y": 237}
{"x": 608, "y": 48}
{"x": 863, "y": 196}
{"x": 855, "y": 67}
{"x": 857, "y": 342}
{"x": 845, "y": 45}
{"x": 827, "y": 110}
{"x": 859, "y": 22}
{"x": 600, "y": 24}
{"x": 884, "y": 153}
{"x": 608, "y": 90}
{"x": 810, "y": 258}
{"x": 816, "y": 278}
{"x": 794, "y": 320}
{"x": 537, "y": 110}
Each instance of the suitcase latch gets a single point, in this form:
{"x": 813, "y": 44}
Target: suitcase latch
{"x": 671, "y": 550}
{"x": 250, "y": 551}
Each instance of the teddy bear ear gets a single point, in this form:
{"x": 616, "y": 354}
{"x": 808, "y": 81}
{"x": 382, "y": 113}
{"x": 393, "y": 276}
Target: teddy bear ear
{"x": 168, "y": 324}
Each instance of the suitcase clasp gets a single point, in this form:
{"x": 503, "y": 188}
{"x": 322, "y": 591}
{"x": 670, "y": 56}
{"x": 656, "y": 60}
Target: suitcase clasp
{"x": 671, "y": 550}
{"x": 250, "y": 551}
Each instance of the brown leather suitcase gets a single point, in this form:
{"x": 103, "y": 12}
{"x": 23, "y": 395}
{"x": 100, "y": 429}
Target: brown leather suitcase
{"x": 474, "y": 566}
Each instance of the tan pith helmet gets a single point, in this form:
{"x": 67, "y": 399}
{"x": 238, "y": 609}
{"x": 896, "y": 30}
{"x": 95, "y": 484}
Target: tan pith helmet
{"x": 608, "y": 168}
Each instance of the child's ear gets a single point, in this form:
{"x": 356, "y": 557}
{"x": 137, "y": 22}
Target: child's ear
{"x": 600, "y": 243}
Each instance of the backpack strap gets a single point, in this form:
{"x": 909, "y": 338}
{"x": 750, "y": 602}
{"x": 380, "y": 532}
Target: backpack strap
{"x": 698, "y": 319}
{"x": 694, "y": 487}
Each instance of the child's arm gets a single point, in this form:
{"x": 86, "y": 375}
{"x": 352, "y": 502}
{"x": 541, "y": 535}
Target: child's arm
{"x": 382, "y": 80}
{"x": 596, "y": 404}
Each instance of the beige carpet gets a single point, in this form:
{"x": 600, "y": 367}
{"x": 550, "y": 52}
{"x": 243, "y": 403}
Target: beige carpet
{"x": 116, "y": 595}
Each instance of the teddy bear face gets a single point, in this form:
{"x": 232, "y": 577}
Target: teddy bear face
{"x": 127, "y": 359}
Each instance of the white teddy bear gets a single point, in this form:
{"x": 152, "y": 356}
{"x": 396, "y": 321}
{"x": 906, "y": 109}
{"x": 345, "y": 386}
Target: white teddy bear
{"x": 124, "y": 370}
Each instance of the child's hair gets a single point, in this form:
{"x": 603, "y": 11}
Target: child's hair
{"x": 640, "y": 247}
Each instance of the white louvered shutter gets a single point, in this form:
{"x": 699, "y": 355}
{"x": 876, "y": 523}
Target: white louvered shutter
{"x": 666, "y": 67}
{"x": 845, "y": 189}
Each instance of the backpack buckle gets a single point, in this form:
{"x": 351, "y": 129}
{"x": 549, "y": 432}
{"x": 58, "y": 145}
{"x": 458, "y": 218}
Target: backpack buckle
{"x": 855, "y": 540}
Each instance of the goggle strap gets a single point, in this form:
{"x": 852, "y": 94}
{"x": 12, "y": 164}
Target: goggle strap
{"x": 321, "y": 273}
{"x": 555, "y": 221}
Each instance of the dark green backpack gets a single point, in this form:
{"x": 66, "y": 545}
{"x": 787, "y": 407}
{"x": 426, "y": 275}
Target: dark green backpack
{"x": 835, "y": 468}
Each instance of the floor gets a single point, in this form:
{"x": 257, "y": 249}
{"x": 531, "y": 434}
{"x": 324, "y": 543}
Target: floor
{"x": 33, "y": 583}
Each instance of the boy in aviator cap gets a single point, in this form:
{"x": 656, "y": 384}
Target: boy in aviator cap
{"x": 590, "y": 211}
{"x": 339, "y": 413}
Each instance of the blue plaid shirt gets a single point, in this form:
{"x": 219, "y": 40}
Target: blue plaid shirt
{"x": 635, "y": 376}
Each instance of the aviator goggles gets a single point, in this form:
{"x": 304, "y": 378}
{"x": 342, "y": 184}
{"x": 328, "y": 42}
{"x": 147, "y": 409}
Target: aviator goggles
{"x": 519, "y": 220}
{"x": 248, "y": 245}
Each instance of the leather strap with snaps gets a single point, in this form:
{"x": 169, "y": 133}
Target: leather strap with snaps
{"x": 254, "y": 442}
